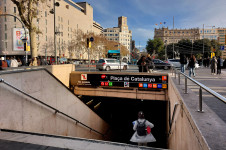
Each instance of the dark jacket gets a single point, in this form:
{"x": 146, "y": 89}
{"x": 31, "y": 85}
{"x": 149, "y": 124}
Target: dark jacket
{"x": 142, "y": 68}
{"x": 183, "y": 59}
{"x": 191, "y": 63}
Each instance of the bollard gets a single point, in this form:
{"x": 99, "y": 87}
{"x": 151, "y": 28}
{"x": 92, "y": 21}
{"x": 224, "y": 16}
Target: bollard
{"x": 186, "y": 86}
{"x": 179, "y": 77}
{"x": 200, "y": 100}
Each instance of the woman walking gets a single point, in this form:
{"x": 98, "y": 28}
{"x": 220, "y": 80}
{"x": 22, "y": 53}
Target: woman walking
{"x": 213, "y": 65}
{"x": 219, "y": 64}
{"x": 191, "y": 65}
{"x": 142, "y": 128}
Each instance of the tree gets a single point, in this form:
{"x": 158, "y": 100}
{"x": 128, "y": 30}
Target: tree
{"x": 155, "y": 46}
{"x": 28, "y": 12}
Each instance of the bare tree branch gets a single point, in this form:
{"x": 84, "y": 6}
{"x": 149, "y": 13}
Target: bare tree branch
{"x": 21, "y": 11}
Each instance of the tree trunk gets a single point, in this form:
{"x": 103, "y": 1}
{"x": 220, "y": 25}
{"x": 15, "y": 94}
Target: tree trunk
{"x": 34, "y": 52}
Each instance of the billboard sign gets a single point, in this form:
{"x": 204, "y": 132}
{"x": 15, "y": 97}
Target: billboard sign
{"x": 18, "y": 35}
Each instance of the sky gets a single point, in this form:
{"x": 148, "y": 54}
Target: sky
{"x": 143, "y": 15}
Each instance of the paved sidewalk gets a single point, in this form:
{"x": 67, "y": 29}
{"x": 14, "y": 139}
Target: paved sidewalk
{"x": 214, "y": 82}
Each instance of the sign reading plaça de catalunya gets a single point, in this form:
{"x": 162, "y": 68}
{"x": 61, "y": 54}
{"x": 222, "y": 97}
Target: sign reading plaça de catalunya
{"x": 132, "y": 78}
{"x": 112, "y": 80}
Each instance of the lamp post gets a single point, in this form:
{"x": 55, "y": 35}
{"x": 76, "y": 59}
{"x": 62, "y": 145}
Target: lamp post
{"x": 53, "y": 11}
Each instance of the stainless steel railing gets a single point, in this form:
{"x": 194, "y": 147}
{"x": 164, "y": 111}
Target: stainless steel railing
{"x": 177, "y": 72}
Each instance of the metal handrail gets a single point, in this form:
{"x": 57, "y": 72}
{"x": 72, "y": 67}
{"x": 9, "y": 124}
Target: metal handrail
{"x": 56, "y": 110}
{"x": 202, "y": 86}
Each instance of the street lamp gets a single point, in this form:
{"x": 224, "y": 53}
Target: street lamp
{"x": 53, "y": 11}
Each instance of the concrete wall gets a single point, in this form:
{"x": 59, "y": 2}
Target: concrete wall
{"x": 61, "y": 72}
{"x": 132, "y": 93}
{"x": 184, "y": 134}
{"x": 18, "y": 112}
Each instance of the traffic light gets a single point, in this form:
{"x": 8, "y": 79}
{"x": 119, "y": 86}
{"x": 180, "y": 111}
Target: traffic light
{"x": 25, "y": 46}
{"x": 87, "y": 43}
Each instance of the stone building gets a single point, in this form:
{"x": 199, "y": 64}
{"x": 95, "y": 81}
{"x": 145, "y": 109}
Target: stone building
{"x": 120, "y": 34}
{"x": 169, "y": 36}
{"x": 69, "y": 16}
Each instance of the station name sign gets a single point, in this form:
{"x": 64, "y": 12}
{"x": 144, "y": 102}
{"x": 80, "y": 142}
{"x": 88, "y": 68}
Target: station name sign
{"x": 126, "y": 81}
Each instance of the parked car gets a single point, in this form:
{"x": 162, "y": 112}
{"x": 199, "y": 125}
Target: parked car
{"x": 174, "y": 62}
{"x": 110, "y": 64}
{"x": 160, "y": 64}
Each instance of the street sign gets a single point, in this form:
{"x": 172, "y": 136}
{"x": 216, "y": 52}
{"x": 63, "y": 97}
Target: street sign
{"x": 91, "y": 39}
{"x": 126, "y": 81}
{"x": 222, "y": 47}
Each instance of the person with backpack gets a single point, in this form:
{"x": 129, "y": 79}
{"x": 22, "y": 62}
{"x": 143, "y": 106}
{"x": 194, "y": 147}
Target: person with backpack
{"x": 142, "y": 128}
{"x": 183, "y": 62}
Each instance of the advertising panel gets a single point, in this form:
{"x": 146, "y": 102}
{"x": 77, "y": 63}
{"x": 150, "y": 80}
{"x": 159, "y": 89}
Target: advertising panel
{"x": 18, "y": 35}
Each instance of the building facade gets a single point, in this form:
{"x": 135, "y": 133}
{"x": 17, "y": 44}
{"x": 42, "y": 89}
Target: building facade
{"x": 211, "y": 34}
{"x": 69, "y": 18}
{"x": 222, "y": 39}
{"x": 169, "y": 36}
{"x": 120, "y": 34}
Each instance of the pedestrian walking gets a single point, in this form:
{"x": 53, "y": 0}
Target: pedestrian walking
{"x": 142, "y": 128}
{"x": 213, "y": 65}
{"x": 219, "y": 64}
{"x": 149, "y": 64}
{"x": 14, "y": 62}
{"x": 142, "y": 64}
{"x": 8, "y": 61}
{"x": 183, "y": 62}
{"x": 4, "y": 63}
{"x": 208, "y": 62}
{"x": 191, "y": 65}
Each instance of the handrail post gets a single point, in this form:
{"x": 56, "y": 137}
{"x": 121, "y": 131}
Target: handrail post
{"x": 175, "y": 73}
{"x": 200, "y": 100}
{"x": 179, "y": 77}
{"x": 186, "y": 85}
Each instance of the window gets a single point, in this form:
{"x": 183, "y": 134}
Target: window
{"x": 46, "y": 38}
{"x": 14, "y": 19}
{"x": 46, "y": 30}
{"x": 5, "y": 27}
{"x": 5, "y": 36}
{"x": 14, "y": 9}
{"x": 45, "y": 13}
{"x": 6, "y": 45}
{"x": 5, "y": 18}
{"x": 46, "y": 21}
{"x": 68, "y": 22}
{"x": 5, "y": 9}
